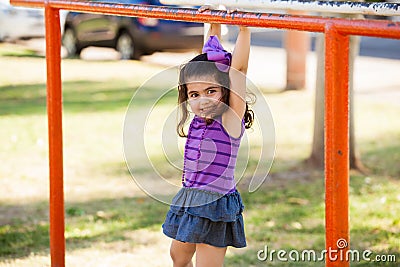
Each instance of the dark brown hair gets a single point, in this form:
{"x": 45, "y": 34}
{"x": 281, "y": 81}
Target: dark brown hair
{"x": 194, "y": 69}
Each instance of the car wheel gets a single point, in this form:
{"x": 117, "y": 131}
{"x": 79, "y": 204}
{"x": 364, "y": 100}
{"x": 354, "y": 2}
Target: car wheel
{"x": 70, "y": 43}
{"x": 126, "y": 47}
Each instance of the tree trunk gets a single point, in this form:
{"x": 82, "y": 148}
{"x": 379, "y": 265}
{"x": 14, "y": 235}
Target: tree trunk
{"x": 355, "y": 162}
{"x": 316, "y": 158}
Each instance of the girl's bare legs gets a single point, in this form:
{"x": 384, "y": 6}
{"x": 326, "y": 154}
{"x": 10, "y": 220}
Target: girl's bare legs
{"x": 182, "y": 253}
{"x": 209, "y": 256}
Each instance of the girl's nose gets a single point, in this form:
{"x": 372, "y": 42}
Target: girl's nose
{"x": 204, "y": 101}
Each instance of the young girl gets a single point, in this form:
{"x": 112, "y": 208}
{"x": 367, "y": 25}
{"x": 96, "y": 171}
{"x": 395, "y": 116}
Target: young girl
{"x": 206, "y": 215}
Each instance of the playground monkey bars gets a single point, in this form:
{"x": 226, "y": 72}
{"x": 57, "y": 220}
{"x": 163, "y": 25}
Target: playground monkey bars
{"x": 337, "y": 33}
{"x": 342, "y": 7}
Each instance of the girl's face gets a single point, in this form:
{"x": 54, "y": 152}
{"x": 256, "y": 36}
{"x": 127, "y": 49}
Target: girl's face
{"x": 204, "y": 98}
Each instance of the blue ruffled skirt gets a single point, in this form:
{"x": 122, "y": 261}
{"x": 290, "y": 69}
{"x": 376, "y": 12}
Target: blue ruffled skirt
{"x": 198, "y": 216}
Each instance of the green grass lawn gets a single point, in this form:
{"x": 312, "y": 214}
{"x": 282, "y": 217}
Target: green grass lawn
{"x": 111, "y": 222}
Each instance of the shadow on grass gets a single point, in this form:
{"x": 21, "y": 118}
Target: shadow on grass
{"x": 23, "y": 55}
{"x": 78, "y": 96}
{"x": 383, "y": 158}
{"x": 20, "y": 52}
{"x": 87, "y": 223}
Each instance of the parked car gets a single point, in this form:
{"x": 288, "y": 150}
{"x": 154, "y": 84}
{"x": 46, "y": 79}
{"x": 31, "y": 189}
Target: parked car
{"x": 18, "y": 22}
{"x": 130, "y": 36}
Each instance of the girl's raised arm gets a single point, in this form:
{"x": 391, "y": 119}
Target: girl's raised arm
{"x": 240, "y": 57}
{"x": 232, "y": 118}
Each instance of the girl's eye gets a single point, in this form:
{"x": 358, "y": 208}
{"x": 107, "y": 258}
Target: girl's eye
{"x": 211, "y": 91}
{"x": 193, "y": 95}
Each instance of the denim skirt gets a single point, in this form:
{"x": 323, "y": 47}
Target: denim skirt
{"x": 199, "y": 216}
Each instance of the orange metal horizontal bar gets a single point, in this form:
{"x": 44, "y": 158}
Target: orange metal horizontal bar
{"x": 376, "y": 28}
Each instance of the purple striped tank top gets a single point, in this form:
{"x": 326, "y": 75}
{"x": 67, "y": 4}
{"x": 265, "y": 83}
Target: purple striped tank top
{"x": 210, "y": 157}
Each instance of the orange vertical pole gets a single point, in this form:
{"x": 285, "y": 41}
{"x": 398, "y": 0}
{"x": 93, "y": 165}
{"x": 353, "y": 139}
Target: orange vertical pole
{"x": 336, "y": 146}
{"x": 54, "y": 112}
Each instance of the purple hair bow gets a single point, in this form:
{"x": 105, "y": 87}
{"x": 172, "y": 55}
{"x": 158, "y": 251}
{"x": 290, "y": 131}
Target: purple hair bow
{"x": 215, "y": 52}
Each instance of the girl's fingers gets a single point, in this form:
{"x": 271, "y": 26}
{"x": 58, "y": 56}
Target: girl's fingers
{"x": 204, "y": 8}
{"x": 230, "y": 10}
{"x": 209, "y": 7}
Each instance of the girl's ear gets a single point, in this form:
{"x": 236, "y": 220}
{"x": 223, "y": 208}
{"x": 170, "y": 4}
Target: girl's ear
{"x": 225, "y": 95}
